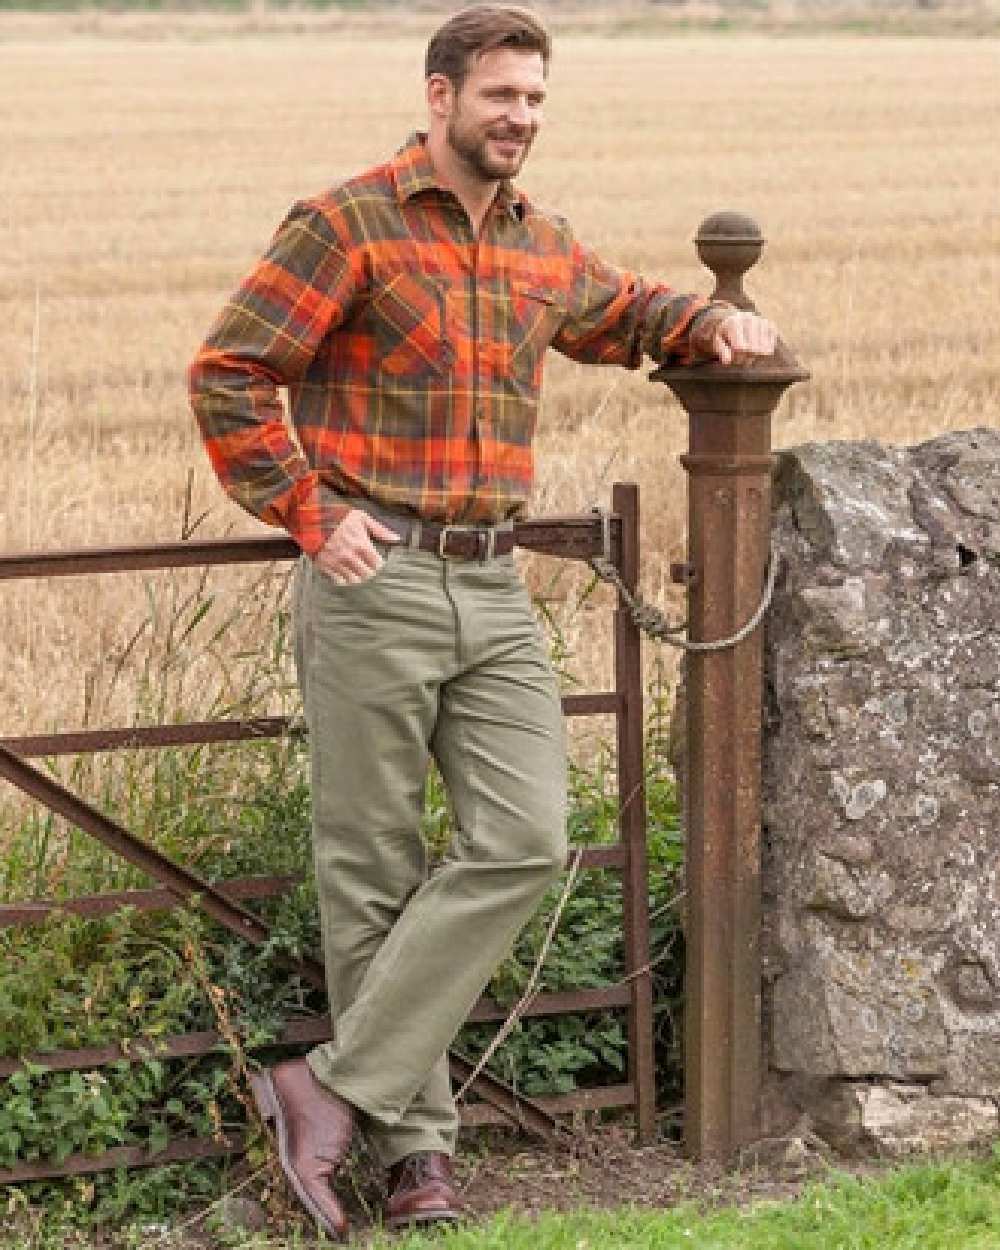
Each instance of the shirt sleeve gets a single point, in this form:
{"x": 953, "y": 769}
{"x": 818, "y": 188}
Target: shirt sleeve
{"x": 614, "y": 317}
{"x": 265, "y": 337}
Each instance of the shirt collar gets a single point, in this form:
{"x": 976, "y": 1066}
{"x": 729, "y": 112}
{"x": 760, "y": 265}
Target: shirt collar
{"x": 413, "y": 173}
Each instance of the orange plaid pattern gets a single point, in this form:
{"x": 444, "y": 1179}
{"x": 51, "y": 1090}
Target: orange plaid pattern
{"x": 411, "y": 350}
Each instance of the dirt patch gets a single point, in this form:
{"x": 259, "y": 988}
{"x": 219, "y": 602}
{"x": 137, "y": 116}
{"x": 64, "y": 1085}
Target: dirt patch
{"x": 598, "y": 1168}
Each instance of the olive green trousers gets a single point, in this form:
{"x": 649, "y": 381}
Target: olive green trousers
{"x": 440, "y": 658}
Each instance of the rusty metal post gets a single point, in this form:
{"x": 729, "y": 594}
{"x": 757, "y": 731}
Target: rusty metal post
{"x": 729, "y": 466}
{"x": 632, "y": 824}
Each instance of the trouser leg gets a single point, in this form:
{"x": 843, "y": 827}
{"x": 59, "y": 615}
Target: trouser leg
{"x": 495, "y": 724}
{"x": 369, "y": 758}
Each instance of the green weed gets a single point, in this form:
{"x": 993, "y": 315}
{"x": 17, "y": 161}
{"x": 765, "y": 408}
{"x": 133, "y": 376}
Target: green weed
{"x": 944, "y": 1206}
{"x": 132, "y": 978}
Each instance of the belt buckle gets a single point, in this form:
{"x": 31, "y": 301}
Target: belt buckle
{"x": 442, "y": 540}
{"x": 486, "y": 542}
{"x": 490, "y": 537}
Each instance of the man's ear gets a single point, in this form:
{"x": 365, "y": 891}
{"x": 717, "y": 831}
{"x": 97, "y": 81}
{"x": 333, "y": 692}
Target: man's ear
{"x": 440, "y": 95}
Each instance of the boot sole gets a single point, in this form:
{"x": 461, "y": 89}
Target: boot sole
{"x": 270, "y": 1109}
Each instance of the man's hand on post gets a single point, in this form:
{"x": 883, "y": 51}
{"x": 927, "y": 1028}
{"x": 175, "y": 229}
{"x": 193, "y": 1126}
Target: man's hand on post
{"x": 741, "y": 336}
{"x": 349, "y": 554}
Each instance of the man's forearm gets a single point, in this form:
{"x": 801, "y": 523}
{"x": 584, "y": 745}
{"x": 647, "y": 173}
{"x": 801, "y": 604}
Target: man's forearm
{"x": 266, "y": 336}
{"x": 248, "y": 443}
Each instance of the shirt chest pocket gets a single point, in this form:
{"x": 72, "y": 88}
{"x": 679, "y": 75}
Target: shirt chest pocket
{"x": 536, "y": 315}
{"x": 408, "y": 324}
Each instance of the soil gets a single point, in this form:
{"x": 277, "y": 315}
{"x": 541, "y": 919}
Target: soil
{"x": 598, "y": 1167}
{"x": 604, "y": 1168}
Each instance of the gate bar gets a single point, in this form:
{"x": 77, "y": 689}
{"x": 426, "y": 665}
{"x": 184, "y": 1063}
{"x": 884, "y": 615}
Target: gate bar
{"x": 227, "y": 912}
{"x": 569, "y": 537}
{"x": 632, "y": 818}
{"x": 199, "y": 733}
{"x": 572, "y": 537}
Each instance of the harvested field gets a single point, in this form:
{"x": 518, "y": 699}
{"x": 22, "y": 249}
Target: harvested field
{"x": 142, "y": 174}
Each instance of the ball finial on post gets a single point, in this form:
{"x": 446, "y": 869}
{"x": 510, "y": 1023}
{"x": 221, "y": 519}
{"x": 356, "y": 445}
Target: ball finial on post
{"x": 729, "y": 244}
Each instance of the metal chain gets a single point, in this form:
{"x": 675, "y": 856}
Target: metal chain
{"x": 651, "y": 621}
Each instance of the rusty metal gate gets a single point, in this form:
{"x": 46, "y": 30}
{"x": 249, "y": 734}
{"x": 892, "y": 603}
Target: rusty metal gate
{"x": 576, "y": 537}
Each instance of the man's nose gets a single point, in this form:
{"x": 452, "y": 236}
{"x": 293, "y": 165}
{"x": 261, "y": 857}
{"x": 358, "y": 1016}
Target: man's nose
{"x": 519, "y": 113}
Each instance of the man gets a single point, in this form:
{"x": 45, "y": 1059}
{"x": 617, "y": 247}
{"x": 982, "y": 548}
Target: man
{"x": 408, "y": 311}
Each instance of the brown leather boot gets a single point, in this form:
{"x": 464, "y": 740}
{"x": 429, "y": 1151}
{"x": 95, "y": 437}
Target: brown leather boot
{"x": 314, "y": 1129}
{"x": 421, "y": 1190}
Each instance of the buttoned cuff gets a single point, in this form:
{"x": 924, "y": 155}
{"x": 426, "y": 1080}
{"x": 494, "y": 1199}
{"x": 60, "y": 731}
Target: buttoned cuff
{"x": 314, "y": 515}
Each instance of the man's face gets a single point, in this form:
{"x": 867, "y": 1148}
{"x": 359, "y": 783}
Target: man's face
{"x": 496, "y": 113}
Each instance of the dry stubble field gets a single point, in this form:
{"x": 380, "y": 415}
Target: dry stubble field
{"x": 140, "y": 175}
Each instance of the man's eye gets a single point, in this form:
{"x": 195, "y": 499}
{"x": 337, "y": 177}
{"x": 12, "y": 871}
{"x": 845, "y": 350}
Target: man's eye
{"x": 511, "y": 97}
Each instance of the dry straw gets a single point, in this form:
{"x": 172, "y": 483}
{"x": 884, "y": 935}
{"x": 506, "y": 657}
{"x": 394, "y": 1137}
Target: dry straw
{"x": 141, "y": 179}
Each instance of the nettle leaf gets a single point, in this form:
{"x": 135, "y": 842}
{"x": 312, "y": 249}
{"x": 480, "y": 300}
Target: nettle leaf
{"x": 20, "y": 1082}
{"x": 10, "y": 1142}
{"x": 70, "y": 982}
{"x": 158, "y": 1138}
{"x": 613, "y": 1058}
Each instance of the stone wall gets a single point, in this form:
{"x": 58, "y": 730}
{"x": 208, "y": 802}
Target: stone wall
{"x": 882, "y": 792}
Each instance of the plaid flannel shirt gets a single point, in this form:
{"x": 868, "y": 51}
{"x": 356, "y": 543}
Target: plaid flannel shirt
{"x": 411, "y": 350}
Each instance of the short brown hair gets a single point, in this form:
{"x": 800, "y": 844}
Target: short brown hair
{"x": 479, "y": 29}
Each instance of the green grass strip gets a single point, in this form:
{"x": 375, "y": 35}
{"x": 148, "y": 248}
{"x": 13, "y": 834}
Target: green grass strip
{"x": 930, "y": 1207}
{"x": 937, "y": 1206}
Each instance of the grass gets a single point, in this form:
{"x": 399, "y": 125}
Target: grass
{"x": 944, "y": 1207}
{"x": 937, "y": 1206}
{"x": 74, "y": 982}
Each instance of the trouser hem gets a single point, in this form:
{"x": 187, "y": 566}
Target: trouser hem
{"x": 316, "y": 1061}
{"x": 429, "y": 1144}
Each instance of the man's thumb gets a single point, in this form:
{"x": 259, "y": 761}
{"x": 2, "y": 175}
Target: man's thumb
{"x": 377, "y": 530}
{"x": 723, "y": 352}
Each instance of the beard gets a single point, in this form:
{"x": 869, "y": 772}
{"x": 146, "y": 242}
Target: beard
{"x": 472, "y": 147}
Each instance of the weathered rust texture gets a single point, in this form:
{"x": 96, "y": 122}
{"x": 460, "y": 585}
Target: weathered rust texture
{"x": 632, "y": 824}
{"x": 568, "y": 538}
{"x": 308, "y": 1030}
{"x": 192, "y": 733}
{"x": 575, "y": 538}
{"x": 473, "y": 1115}
{"x": 566, "y": 1002}
{"x": 146, "y": 557}
{"x": 198, "y": 733}
{"x": 180, "y": 1148}
{"x": 729, "y": 472}
{"x": 480, "y": 1113}
{"x": 214, "y": 902}
{"x": 181, "y": 881}
{"x": 591, "y": 704}
{"x": 37, "y": 912}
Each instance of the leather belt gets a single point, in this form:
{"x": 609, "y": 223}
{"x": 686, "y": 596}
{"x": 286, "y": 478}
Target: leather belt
{"x": 452, "y": 542}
